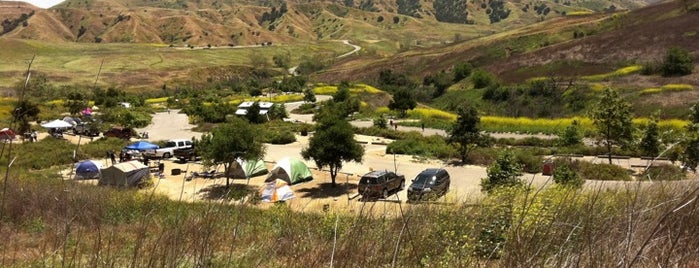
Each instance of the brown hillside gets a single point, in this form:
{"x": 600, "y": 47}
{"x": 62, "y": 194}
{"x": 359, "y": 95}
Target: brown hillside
{"x": 10, "y": 10}
{"x": 641, "y": 36}
{"x": 213, "y": 22}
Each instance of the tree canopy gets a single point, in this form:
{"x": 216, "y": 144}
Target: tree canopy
{"x": 504, "y": 172}
{"x": 677, "y": 62}
{"x": 402, "y": 101}
{"x": 332, "y": 144}
{"x": 465, "y": 132}
{"x": 230, "y": 141}
{"x": 612, "y": 117}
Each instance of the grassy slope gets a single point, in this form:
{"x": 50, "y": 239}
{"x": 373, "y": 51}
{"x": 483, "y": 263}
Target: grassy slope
{"x": 133, "y": 65}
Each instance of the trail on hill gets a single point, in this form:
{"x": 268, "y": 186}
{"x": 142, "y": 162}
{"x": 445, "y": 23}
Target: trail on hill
{"x": 356, "y": 48}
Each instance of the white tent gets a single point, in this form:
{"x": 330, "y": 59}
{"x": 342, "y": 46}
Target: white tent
{"x": 58, "y": 123}
{"x": 276, "y": 191}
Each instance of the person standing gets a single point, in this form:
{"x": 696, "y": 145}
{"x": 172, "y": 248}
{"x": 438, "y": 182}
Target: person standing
{"x": 112, "y": 156}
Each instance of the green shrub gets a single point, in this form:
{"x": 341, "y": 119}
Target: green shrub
{"x": 604, "y": 172}
{"x": 651, "y": 68}
{"x": 504, "y": 172}
{"x": 482, "y": 78}
{"x": 678, "y": 61}
{"x": 379, "y": 132}
{"x": 528, "y": 141}
{"x": 530, "y": 160}
{"x": 278, "y": 136}
{"x": 564, "y": 175}
{"x": 415, "y": 144}
{"x": 664, "y": 172}
{"x": 380, "y": 122}
{"x": 306, "y": 108}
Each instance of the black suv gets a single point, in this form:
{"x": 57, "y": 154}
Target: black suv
{"x": 430, "y": 183}
{"x": 380, "y": 183}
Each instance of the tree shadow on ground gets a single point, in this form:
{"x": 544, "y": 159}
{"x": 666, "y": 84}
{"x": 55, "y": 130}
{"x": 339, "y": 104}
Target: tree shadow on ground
{"x": 324, "y": 190}
{"x": 457, "y": 163}
{"x": 236, "y": 191}
{"x": 392, "y": 198}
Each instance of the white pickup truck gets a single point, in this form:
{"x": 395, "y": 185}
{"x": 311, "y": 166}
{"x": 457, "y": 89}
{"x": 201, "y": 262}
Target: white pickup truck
{"x": 168, "y": 150}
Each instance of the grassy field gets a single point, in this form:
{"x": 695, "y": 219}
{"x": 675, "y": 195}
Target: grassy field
{"x": 134, "y": 65}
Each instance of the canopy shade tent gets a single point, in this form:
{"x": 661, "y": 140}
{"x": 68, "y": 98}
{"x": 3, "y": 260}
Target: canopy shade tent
{"x": 125, "y": 174}
{"x": 142, "y": 145}
{"x": 58, "y": 123}
{"x": 245, "y": 169}
{"x": 88, "y": 169}
{"x": 7, "y": 134}
{"x": 276, "y": 191}
{"x": 87, "y": 111}
{"x": 290, "y": 170}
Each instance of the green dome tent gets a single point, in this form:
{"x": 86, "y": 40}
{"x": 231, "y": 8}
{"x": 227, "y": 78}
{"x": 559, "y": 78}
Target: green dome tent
{"x": 290, "y": 170}
{"x": 245, "y": 169}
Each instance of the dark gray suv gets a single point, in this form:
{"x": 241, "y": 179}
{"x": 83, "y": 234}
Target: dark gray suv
{"x": 380, "y": 183}
{"x": 431, "y": 183}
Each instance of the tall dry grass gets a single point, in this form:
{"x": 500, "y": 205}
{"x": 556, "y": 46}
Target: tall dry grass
{"x": 639, "y": 225}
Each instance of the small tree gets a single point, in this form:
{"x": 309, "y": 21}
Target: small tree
{"x": 23, "y": 112}
{"x": 694, "y": 113}
{"x": 504, "y": 172}
{"x": 253, "y": 115}
{"x": 612, "y": 117}
{"x": 650, "y": 143}
{"x": 380, "y": 122}
{"x": 678, "y": 61}
{"x": 75, "y": 102}
{"x": 309, "y": 96}
{"x": 230, "y": 141}
{"x": 402, "y": 101}
{"x": 465, "y": 132}
{"x": 689, "y": 145}
{"x": 342, "y": 93}
{"x": 332, "y": 144}
{"x": 282, "y": 60}
{"x": 461, "y": 71}
{"x": 571, "y": 135}
{"x": 482, "y": 78}
{"x": 566, "y": 176}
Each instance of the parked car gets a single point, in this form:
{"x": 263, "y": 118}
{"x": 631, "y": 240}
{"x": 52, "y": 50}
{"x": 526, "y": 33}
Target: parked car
{"x": 380, "y": 183}
{"x": 186, "y": 154}
{"x": 86, "y": 129}
{"x": 431, "y": 183}
{"x": 168, "y": 150}
{"x": 120, "y": 132}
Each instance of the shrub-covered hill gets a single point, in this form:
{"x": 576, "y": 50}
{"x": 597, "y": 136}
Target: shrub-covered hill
{"x": 565, "y": 46}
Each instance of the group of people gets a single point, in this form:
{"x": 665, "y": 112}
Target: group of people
{"x": 56, "y": 132}
{"x": 124, "y": 156}
{"x": 33, "y": 136}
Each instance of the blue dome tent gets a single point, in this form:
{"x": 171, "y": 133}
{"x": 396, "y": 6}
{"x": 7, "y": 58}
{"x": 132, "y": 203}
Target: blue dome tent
{"x": 88, "y": 169}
